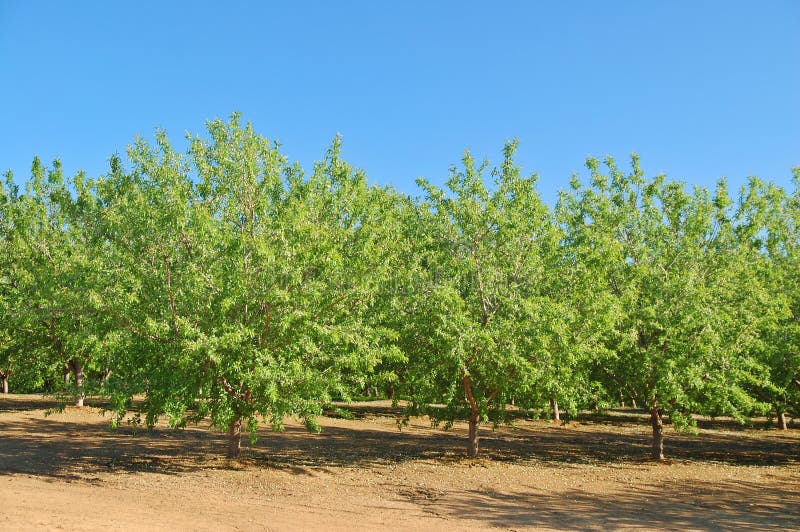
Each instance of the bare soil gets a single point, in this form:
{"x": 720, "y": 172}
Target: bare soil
{"x": 68, "y": 471}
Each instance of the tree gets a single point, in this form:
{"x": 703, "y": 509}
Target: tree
{"x": 773, "y": 230}
{"x": 55, "y": 324}
{"x": 242, "y": 283}
{"x": 687, "y": 300}
{"x": 387, "y": 313}
{"x": 482, "y": 313}
{"x": 9, "y": 283}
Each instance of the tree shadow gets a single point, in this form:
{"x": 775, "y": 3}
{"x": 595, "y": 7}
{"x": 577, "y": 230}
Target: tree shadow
{"x": 59, "y": 447}
{"x": 630, "y": 442}
{"x": 72, "y": 450}
{"x": 730, "y": 505}
{"x": 25, "y": 402}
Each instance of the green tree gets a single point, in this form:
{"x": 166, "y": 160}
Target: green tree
{"x": 687, "y": 299}
{"x": 10, "y": 300}
{"x": 55, "y": 325}
{"x": 482, "y": 315}
{"x": 387, "y": 313}
{"x": 243, "y": 283}
{"x": 773, "y": 229}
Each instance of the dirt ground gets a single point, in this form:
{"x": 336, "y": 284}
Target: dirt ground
{"x": 68, "y": 471}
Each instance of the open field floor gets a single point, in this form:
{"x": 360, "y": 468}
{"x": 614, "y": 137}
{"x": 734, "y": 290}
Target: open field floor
{"x": 69, "y": 471}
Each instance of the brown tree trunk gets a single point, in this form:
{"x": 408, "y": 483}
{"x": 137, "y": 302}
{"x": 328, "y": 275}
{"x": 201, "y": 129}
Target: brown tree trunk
{"x": 556, "y": 412}
{"x": 235, "y": 438}
{"x": 658, "y": 433}
{"x": 77, "y": 368}
{"x": 5, "y": 382}
{"x": 472, "y": 442}
{"x": 782, "y": 421}
{"x": 390, "y": 391}
{"x": 67, "y": 374}
{"x": 474, "y": 417}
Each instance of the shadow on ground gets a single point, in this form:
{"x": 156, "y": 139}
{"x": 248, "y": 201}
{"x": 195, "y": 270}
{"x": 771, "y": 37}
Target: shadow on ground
{"x": 726, "y": 505}
{"x": 60, "y": 446}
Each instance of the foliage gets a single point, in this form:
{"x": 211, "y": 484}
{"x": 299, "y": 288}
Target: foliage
{"x": 54, "y": 329}
{"x": 485, "y": 318}
{"x": 225, "y": 283}
{"x": 242, "y": 282}
{"x": 688, "y": 300}
{"x": 774, "y": 230}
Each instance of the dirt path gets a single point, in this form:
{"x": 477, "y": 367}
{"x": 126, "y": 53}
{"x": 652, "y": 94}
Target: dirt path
{"x": 68, "y": 471}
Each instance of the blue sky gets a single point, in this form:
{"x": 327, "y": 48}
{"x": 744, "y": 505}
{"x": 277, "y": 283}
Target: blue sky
{"x": 698, "y": 89}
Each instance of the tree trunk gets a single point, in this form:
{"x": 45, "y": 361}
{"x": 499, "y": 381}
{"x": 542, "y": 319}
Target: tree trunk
{"x": 658, "y": 433}
{"x": 77, "y": 368}
{"x": 474, "y": 417}
{"x": 782, "y": 420}
{"x": 472, "y": 442}
{"x": 556, "y": 412}
{"x": 67, "y": 374}
{"x": 5, "y": 383}
{"x": 390, "y": 391}
{"x": 235, "y": 438}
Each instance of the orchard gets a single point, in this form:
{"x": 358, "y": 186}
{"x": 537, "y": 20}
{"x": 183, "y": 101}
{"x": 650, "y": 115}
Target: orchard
{"x": 226, "y": 284}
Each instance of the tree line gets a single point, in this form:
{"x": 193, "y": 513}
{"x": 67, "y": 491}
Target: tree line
{"x": 226, "y": 283}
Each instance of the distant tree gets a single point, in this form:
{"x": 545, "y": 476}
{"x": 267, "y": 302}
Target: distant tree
{"x": 54, "y": 326}
{"x": 387, "y": 313}
{"x": 10, "y": 301}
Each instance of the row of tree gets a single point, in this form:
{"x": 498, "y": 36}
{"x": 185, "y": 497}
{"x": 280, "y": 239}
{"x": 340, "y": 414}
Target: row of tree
{"x": 226, "y": 284}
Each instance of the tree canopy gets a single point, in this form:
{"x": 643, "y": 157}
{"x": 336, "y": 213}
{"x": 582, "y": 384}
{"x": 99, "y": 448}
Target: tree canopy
{"x": 226, "y": 283}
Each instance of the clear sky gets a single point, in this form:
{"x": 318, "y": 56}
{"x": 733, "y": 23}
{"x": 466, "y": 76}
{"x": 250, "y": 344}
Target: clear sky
{"x": 699, "y": 89}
